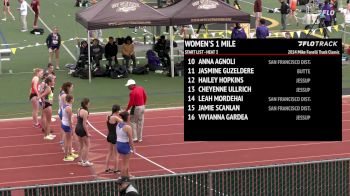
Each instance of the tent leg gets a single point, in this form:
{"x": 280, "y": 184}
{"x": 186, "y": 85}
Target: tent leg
{"x": 88, "y": 40}
{"x": 344, "y": 33}
{"x": 171, "y": 51}
{"x": 249, "y": 32}
{"x": 226, "y": 30}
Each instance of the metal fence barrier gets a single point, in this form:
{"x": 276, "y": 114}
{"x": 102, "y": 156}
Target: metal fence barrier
{"x": 316, "y": 178}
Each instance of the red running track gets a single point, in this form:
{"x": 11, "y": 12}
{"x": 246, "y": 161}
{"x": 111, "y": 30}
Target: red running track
{"x": 26, "y": 159}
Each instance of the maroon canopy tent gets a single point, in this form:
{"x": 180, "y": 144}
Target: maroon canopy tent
{"x": 203, "y": 11}
{"x": 120, "y": 13}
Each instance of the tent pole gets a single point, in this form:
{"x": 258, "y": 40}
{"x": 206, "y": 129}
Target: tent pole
{"x": 249, "y": 31}
{"x": 226, "y": 30}
{"x": 88, "y": 41}
{"x": 171, "y": 51}
{"x": 344, "y": 33}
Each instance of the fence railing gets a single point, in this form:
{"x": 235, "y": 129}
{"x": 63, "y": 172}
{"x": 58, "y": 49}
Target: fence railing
{"x": 316, "y": 178}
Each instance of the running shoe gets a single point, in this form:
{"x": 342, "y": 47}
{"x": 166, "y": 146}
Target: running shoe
{"x": 53, "y": 119}
{"x": 68, "y": 158}
{"x": 52, "y": 135}
{"x": 4, "y": 19}
{"x": 48, "y": 137}
{"x": 108, "y": 171}
{"x": 87, "y": 164}
{"x": 37, "y": 126}
{"x": 80, "y": 163}
{"x": 74, "y": 155}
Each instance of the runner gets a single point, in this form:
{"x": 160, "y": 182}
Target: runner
{"x": 34, "y": 92}
{"x": 67, "y": 127}
{"x": 81, "y": 129}
{"x": 124, "y": 143}
{"x": 47, "y": 97}
{"x": 66, "y": 89}
{"x": 112, "y": 121}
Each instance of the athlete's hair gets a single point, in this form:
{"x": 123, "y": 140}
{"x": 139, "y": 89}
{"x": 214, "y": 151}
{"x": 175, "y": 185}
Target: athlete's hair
{"x": 37, "y": 70}
{"x": 115, "y": 108}
{"x": 84, "y": 103}
{"x": 69, "y": 98}
{"x": 65, "y": 86}
{"x": 124, "y": 115}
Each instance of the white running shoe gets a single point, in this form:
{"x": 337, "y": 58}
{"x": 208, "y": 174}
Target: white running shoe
{"x": 48, "y": 137}
{"x": 51, "y": 135}
{"x": 4, "y": 19}
{"x": 87, "y": 164}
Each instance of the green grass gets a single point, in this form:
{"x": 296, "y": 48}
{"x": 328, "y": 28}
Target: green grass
{"x": 103, "y": 92}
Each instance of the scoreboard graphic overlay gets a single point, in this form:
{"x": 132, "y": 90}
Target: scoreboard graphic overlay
{"x": 263, "y": 90}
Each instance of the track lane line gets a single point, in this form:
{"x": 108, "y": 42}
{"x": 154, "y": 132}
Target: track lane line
{"x": 139, "y": 155}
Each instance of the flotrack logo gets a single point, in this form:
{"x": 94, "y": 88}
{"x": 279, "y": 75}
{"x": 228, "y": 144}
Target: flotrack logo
{"x": 205, "y": 4}
{"x": 125, "y": 6}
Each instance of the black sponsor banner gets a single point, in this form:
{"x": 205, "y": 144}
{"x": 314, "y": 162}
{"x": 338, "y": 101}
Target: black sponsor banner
{"x": 267, "y": 90}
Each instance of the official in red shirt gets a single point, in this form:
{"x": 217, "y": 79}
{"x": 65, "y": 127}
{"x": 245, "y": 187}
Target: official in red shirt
{"x": 36, "y": 8}
{"x": 137, "y": 104}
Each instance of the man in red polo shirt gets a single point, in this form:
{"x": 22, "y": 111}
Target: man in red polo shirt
{"x": 137, "y": 104}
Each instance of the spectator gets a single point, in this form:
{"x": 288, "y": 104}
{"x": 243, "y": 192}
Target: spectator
{"x": 137, "y": 102}
{"x": 346, "y": 13}
{"x": 111, "y": 51}
{"x": 293, "y": 8}
{"x": 284, "y": 12}
{"x": 257, "y": 11}
{"x": 334, "y": 6}
{"x": 238, "y": 32}
{"x": 126, "y": 188}
{"x": 23, "y": 12}
{"x": 96, "y": 52}
{"x": 53, "y": 42}
{"x": 7, "y": 10}
{"x": 83, "y": 54}
{"x": 36, "y": 8}
{"x": 262, "y": 31}
{"x": 83, "y": 49}
{"x": 129, "y": 53}
{"x": 326, "y": 19}
{"x": 162, "y": 48}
